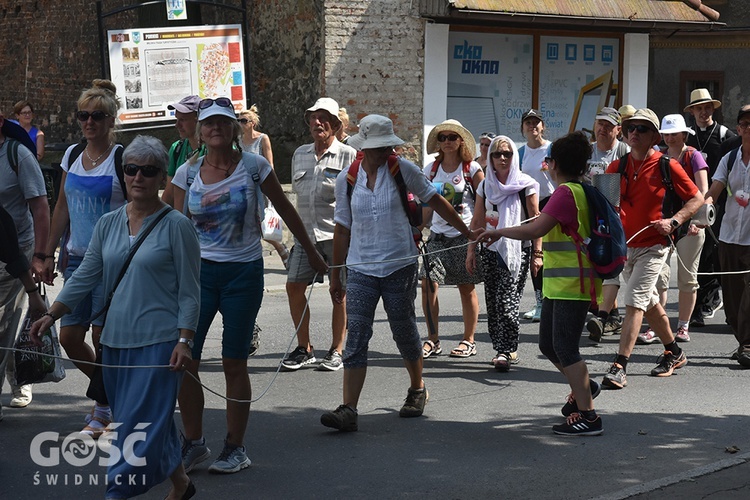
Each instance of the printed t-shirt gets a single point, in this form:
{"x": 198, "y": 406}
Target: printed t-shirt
{"x": 461, "y": 198}
{"x": 90, "y": 194}
{"x": 225, "y": 213}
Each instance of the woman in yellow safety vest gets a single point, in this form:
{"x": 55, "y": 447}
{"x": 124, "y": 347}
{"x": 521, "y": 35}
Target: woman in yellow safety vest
{"x": 566, "y": 297}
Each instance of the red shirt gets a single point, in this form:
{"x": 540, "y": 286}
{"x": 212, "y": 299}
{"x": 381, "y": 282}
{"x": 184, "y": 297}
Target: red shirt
{"x": 642, "y": 194}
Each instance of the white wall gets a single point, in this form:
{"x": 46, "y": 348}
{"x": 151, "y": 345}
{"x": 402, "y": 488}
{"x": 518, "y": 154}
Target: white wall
{"x": 635, "y": 70}
{"x": 435, "y": 78}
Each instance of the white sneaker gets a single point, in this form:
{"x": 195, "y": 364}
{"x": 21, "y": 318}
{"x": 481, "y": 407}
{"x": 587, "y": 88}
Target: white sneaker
{"x": 647, "y": 337}
{"x": 21, "y": 396}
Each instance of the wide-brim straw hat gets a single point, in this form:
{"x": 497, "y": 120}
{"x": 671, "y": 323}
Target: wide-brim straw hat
{"x": 451, "y": 126}
{"x": 699, "y": 96}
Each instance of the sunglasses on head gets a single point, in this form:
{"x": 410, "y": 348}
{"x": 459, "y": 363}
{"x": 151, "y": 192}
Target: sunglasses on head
{"x": 642, "y": 129}
{"x": 98, "y": 116}
{"x": 449, "y": 137}
{"x": 131, "y": 169}
{"x": 224, "y": 102}
{"x": 488, "y": 135}
{"x": 502, "y": 154}
{"x": 243, "y": 120}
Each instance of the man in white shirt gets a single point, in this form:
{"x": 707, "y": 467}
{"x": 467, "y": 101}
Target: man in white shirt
{"x": 315, "y": 168}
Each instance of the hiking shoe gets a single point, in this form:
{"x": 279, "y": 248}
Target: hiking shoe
{"x": 682, "y": 335}
{"x": 414, "y": 403}
{"x": 647, "y": 338}
{"x": 615, "y": 378}
{"x": 595, "y": 328}
{"x": 710, "y": 311}
{"x": 570, "y": 407}
{"x": 743, "y": 359}
{"x": 667, "y": 363}
{"x": 537, "y": 317}
{"x": 613, "y": 326}
{"x": 231, "y": 459}
{"x": 299, "y": 358}
{"x": 21, "y": 396}
{"x": 255, "y": 342}
{"x": 193, "y": 454}
{"x": 342, "y": 418}
{"x": 332, "y": 361}
{"x": 697, "y": 320}
{"x": 576, "y": 425}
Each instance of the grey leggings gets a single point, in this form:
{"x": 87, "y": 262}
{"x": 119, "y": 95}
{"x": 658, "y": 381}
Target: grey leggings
{"x": 363, "y": 292}
{"x": 560, "y": 329}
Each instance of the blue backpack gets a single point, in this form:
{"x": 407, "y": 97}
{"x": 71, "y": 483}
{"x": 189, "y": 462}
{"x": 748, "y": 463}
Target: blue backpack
{"x": 606, "y": 246}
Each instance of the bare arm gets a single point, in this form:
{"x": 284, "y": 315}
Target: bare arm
{"x": 168, "y": 195}
{"x": 40, "y": 212}
{"x": 447, "y": 212}
{"x": 531, "y": 231}
{"x": 341, "y": 239}
{"x": 39, "y": 145}
{"x": 265, "y": 145}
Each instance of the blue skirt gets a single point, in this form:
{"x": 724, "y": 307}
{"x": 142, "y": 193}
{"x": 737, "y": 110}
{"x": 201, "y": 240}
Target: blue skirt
{"x": 146, "y": 446}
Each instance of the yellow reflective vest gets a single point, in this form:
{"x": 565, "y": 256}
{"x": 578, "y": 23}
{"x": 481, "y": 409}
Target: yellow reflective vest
{"x": 568, "y": 274}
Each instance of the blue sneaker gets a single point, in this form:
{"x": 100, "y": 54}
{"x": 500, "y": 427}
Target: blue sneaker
{"x": 232, "y": 459}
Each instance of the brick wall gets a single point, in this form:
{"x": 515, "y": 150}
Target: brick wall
{"x": 374, "y": 63}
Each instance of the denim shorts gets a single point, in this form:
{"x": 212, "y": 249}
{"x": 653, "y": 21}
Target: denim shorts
{"x": 91, "y": 304}
{"x": 235, "y": 289}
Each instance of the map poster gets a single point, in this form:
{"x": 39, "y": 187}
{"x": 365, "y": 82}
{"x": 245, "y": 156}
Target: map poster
{"x": 155, "y": 67}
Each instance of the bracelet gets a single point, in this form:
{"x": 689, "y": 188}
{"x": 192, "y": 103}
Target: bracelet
{"x": 40, "y": 255}
{"x": 50, "y": 315}
{"x": 538, "y": 253}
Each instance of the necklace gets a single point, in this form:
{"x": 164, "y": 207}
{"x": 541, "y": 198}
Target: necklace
{"x": 708, "y": 137}
{"x": 637, "y": 170}
{"x": 92, "y": 160}
{"x": 225, "y": 170}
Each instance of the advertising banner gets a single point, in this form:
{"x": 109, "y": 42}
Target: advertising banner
{"x": 155, "y": 67}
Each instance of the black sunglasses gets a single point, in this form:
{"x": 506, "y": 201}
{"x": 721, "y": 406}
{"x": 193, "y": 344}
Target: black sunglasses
{"x": 131, "y": 169}
{"x": 548, "y": 159}
{"x": 224, "y": 102}
{"x": 502, "y": 154}
{"x": 450, "y": 137}
{"x": 642, "y": 129}
{"x": 243, "y": 120}
{"x": 98, "y": 116}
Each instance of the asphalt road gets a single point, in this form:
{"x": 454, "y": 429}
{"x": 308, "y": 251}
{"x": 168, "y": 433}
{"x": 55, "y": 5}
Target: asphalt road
{"x": 484, "y": 434}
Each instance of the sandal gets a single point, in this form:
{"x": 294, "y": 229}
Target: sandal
{"x": 96, "y": 432}
{"x": 429, "y": 348}
{"x": 460, "y": 352}
{"x": 501, "y": 362}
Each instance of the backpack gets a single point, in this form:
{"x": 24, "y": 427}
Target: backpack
{"x": 606, "y": 246}
{"x": 411, "y": 206}
{"x": 730, "y": 163}
{"x": 250, "y": 162}
{"x": 672, "y": 203}
{"x": 466, "y": 170}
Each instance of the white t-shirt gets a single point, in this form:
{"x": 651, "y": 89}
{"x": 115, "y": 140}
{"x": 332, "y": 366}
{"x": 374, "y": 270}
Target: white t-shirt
{"x": 532, "y": 166}
{"x": 600, "y": 160}
{"x": 90, "y": 194}
{"x": 462, "y": 198}
{"x": 225, "y": 213}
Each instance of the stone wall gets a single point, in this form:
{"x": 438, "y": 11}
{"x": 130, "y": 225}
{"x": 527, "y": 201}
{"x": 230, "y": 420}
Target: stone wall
{"x": 374, "y": 63}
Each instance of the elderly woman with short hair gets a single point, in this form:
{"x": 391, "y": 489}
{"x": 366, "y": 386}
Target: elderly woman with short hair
{"x": 151, "y": 320}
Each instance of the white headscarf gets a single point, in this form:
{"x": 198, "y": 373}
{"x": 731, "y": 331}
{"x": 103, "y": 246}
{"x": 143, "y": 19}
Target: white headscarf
{"x": 505, "y": 197}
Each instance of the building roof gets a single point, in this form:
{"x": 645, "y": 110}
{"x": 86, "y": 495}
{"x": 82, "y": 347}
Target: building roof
{"x": 643, "y": 15}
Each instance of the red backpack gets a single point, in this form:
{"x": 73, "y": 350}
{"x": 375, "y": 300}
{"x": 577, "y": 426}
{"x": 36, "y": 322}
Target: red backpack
{"x": 411, "y": 206}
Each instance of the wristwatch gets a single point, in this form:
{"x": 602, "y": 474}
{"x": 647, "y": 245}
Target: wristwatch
{"x": 674, "y": 223}
{"x": 189, "y": 342}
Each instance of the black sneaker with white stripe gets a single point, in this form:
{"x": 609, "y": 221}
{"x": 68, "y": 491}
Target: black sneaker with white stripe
{"x": 299, "y": 358}
{"x": 576, "y": 425}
